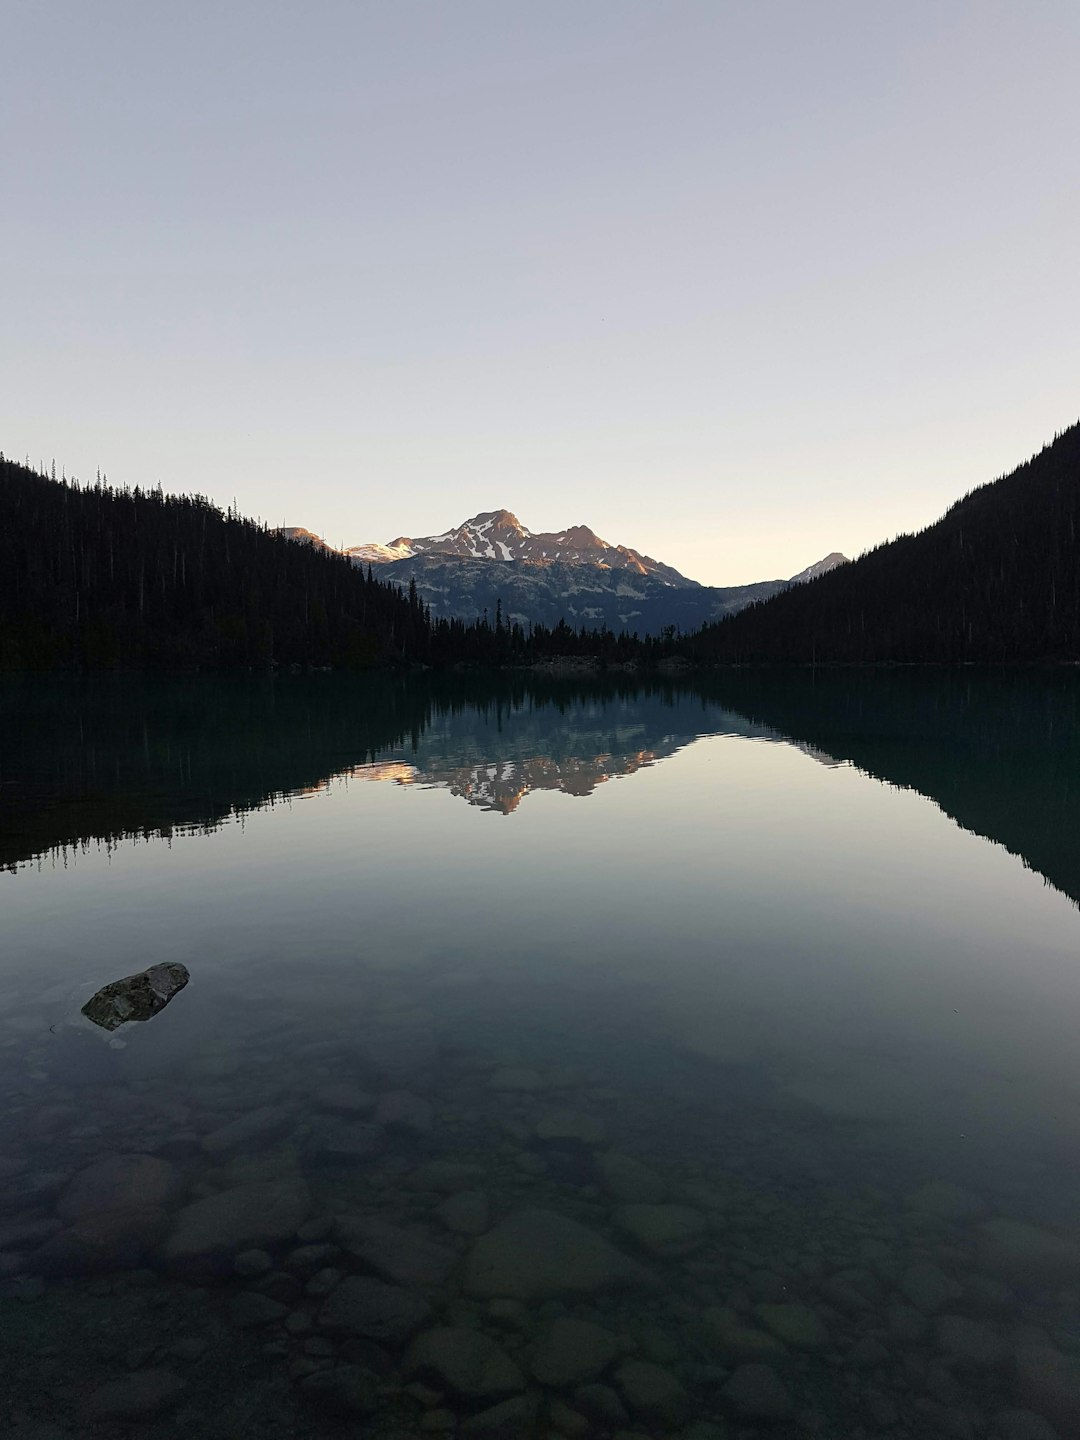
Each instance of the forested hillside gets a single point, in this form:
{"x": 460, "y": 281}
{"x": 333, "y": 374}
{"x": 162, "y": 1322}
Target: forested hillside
{"x": 997, "y": 578}
{"x": 93, "y": 578}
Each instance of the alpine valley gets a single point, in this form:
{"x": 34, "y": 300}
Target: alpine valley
{"x": 492, "y": 564}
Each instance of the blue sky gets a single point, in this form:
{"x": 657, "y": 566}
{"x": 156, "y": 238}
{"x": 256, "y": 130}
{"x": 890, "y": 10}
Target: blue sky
{"x": 737, "y": 284}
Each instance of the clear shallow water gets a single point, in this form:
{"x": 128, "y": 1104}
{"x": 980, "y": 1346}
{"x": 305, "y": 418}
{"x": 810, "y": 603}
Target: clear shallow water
{"x": 804, "y": 948}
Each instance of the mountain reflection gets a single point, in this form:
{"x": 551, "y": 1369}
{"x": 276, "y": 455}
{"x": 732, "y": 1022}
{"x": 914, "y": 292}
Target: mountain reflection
{"x": 502, "y": 785}
{"x": 95, "y": 760}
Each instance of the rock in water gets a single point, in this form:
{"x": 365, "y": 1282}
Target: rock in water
{"x": 538, "y": 1254}
{"x": 136, "y": 997}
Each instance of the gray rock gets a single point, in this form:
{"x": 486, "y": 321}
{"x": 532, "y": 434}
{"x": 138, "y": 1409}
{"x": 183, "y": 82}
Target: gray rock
{"x": 562, "y": 1127}
{"x": 189, "y": 1348}
{"x": 306, "y": 1259}
{"x": 971, "y": 1343}
{"x": 571, "y": 1352}
{"x": 118, "y": 1182}
{"x": 513, "y": 1077}
{"x": 1021, "y": 1425}
{"x": 756, "y": 1392}
{"x": 27, "y": 1231}
{"x": 347, "y": 1098}
{"x": 509, "y": 1315}
{"x": 795, "y": 1325}
{"x": 868, "y": 1354}
{"x": 27, "y": 1189}
{"x": 732, "y": 1339}
{"x": 211, "y": 1231}
{"x": 373, "y": 1310}
{"x": 251, "y": 1310}
{"x": 323, "y": 1281}
{"x": 247, "y": 1131}
{"x": 946, "y": 1201}
{"x": 601, "y": 1403}
{"x": 396, "y": 1254}
{"x": 344, "y": 1142}
{"x": 38, "y": 1430}
{"x": 466, "y": 1361}
{"x": 345, "y": 1390}
{"x": 136, "y": 997}
{"x": 538, "y": 1254}
{"x": 1048, "y": 1382}
{"x": 136, "y": 1397}
{"x": 665, "y": 1230}
{"x": 467, "y": 1213}
{"x": 629, "y": 1181}
{"x": 510, "y": 1420}
{"x": 652, "y": 1392}
{"x": 444, "y": 1177}
{"x": 1027, "y": 1254}
{"x": 250, "y": 1263}
{"x": 566, "y": 1421}
{"x": 401, "y": 1110}
{"x": 99, "y": 1243}
{"x": 927, "y": 1287}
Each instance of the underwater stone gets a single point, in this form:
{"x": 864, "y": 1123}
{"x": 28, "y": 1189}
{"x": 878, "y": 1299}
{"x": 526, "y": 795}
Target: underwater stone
{"x": 756, "y": 1392}
{"x": 469, "y": 1362}
{"x": 663, "y": 1229}
{"x": 136, "y": 997}
{"x": 571, "y": 1352}
{"x": 396, "y": 1254}
{"x": 118, "y": 1182}
{"x": 248, "y": 1217}
{"x": 136, "y": 1397}
{"x": 361, "y": 1305}
{"x": 538, "y": 1254}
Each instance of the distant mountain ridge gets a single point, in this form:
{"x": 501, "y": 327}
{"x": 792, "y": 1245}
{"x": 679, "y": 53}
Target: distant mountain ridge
{"x": 500, "y": 535}
{"x": 492, "y": 562}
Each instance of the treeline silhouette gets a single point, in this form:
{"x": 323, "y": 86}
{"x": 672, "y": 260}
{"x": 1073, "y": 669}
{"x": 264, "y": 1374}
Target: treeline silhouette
{"x": 94, "y": 578}
{"x": 995, "y": 579}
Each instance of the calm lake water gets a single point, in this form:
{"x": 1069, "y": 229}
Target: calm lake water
{"x": 557, "y": 1059}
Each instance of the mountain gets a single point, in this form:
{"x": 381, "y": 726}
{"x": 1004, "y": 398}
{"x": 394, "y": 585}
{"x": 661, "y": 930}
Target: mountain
{"x": 492, "y": 563}
{"x": 996, "y": 579}
{"x": 500, "y": 535}
{"x": 93, "y": 578}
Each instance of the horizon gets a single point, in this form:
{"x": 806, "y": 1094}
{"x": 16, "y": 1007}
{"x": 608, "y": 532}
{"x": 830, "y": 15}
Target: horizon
{"x": 734, "y": 287}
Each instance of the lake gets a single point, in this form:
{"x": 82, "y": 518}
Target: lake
{"x": 572, "y": 1058}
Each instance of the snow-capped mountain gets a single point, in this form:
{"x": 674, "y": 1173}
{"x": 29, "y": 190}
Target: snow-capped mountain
{"x": 500, "y": 535}
{"x": 493, "y": 561}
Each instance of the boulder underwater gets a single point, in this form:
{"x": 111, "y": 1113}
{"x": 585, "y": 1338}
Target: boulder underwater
{"x": 136, "y": 997}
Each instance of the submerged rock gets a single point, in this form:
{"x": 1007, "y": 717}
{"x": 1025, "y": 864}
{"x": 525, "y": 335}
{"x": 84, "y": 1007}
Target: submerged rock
{"x": 571, "y": 1352}
{"x": 1028, "y": 1254}
{"x": 361, "y": 1305}
{"x": 538, "y": 1254}
{"x": 467, "y": 1361}
{"x": 118, "y": 1182}
{"x": 212, "y": 1231}
{"x": 136, "y": 1397}
{"x": 136, "y": 997}
{"x": 756, "y": 1392}
{"x": 397, "y": 1255}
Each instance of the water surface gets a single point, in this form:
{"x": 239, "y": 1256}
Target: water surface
{"x": 769, "y": 983}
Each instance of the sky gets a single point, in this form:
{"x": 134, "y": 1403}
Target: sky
{"x": 737, "y": 284}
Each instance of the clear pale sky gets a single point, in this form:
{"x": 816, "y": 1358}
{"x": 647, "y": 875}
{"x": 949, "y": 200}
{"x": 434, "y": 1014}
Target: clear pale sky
{"x": 736, "y": 284}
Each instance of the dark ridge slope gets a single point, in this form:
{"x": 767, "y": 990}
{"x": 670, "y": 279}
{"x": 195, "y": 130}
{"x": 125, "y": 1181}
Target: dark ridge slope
{"x": 995, "y": 579}
{"x": 93, "y": 578}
